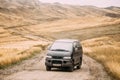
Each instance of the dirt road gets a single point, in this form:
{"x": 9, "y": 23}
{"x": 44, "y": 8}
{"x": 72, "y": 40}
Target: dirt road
{"x": 34, "y": 69}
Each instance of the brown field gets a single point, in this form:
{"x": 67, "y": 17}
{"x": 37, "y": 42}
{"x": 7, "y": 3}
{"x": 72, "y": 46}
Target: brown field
{"x": 106, "y": 50}
{"x": 13, "y": 52}
{"x": 11, "y": 55}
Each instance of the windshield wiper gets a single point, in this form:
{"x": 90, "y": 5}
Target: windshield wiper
{"x": 59, "y": 50}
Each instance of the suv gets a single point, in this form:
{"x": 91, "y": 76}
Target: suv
{"x": 64, "y": 53}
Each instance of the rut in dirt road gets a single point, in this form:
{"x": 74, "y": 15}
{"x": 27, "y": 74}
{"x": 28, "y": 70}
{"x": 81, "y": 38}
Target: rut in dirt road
{"x": 34, "y": 69}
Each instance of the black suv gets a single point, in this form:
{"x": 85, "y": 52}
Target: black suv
{"x": 64, "y": 53}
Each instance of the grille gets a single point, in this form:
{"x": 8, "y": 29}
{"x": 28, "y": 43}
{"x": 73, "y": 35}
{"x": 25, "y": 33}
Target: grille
{"x": 56, "y": 62}
{"x": 57, "y": 57}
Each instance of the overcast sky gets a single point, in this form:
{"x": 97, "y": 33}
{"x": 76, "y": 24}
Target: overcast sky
{"x": 98, "y": 3}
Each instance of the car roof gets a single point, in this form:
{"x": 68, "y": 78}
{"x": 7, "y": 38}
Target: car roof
{"x": 66, "y": 40}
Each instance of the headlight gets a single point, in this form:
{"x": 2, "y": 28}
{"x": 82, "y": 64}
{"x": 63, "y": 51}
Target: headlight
{"x": 48, "y": 56}
{"x": 67, "y": 57}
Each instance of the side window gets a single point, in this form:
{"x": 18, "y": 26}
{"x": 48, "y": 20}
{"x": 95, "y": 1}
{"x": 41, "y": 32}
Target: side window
{"x": 79, "y": 46}
{"x": 74, "y": 44}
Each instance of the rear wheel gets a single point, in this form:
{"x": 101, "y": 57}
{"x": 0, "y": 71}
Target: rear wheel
{"x": 80, "y": 63}
{"x": 48, "y": 68}
{"x": 79, "y": 66}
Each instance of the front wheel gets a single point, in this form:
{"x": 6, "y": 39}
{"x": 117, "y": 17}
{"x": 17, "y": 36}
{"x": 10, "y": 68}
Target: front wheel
{"x": 48, "y": 68}
{"x": 71, "y": 68}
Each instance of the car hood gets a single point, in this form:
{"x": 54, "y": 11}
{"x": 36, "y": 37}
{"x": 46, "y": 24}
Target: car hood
{"x": 59, "y": 53}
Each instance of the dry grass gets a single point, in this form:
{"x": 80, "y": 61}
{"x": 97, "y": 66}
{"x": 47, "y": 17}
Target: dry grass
{"x": 12, "y": 20}
{"x": 6, "y": 37}
{"x": 11, "y": 56}
{"x": 110, "y": 57}
{"x": 74, "y": 24}
{"x": 107, "y": 51}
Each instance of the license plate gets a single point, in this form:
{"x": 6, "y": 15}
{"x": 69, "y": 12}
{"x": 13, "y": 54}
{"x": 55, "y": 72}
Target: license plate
{"x": 56, "y": 64}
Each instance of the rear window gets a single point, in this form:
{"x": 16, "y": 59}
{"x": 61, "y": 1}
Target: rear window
{"x": 62, "y": 46}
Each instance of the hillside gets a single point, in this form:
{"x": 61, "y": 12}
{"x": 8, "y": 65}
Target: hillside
{"x": 113, "y": 8}
{"x": 32, "y": 20}
{"x": 31, "y": 11}
{"x": 17, "y": 15}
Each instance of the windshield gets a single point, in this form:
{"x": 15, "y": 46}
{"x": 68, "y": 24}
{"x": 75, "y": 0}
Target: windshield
{"x": 61, "y": 46}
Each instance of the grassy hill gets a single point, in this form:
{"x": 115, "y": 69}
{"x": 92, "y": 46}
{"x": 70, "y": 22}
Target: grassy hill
{"x": 32, "y": 11}
{"x": 17, "y": 15}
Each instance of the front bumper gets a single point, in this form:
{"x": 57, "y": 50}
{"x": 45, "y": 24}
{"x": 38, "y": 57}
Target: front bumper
{"x": 58, "y": 62}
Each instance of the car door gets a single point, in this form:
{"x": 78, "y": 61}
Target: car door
{"x": 80, "y": 51}
{"x": 76, "y": 54}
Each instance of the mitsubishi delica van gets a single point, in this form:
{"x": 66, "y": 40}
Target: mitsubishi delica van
{"x": 64, "y": 53}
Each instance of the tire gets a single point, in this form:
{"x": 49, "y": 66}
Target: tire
{"x": 48, "y": 68}
{"x": 79, "y": 66}
{"x": 80, "y": 63}
{"x": 71, "y": 68}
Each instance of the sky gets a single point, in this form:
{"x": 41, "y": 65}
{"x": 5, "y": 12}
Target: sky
{"x": 98, "y": 3}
